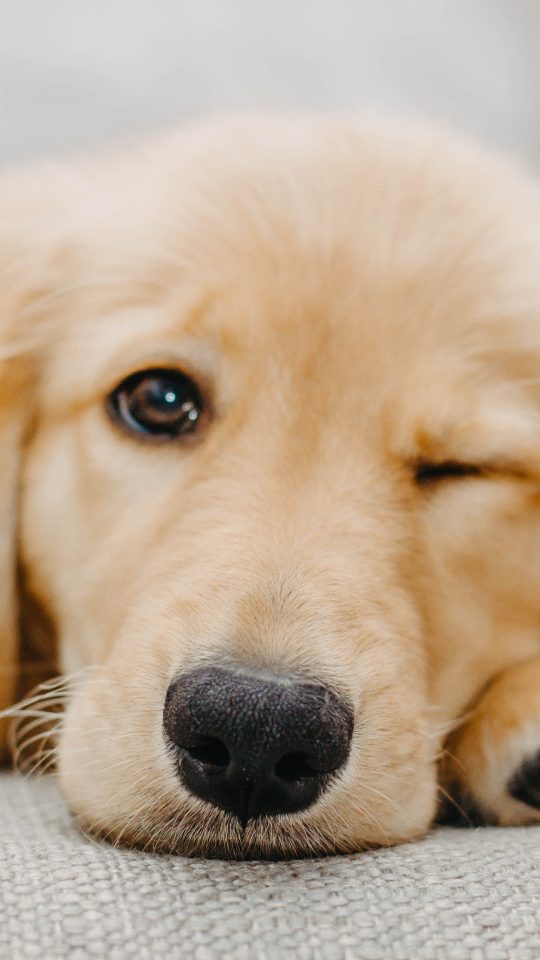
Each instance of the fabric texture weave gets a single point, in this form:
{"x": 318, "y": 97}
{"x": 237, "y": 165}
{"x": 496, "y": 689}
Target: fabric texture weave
{"x": 456, "y": 895}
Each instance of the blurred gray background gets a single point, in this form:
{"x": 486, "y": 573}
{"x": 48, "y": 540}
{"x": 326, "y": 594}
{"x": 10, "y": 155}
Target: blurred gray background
{"x": 76, "y": 73}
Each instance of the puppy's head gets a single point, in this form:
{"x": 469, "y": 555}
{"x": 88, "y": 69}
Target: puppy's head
{"x": 280, "y": 475}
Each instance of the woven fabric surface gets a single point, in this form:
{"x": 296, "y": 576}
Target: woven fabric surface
{"x": 456, "y": 895}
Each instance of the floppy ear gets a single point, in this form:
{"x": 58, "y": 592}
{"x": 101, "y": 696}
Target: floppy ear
{"x": 12, "y": 430}
{"x": 40, "y": 222}
{"x": 20, "y": 284}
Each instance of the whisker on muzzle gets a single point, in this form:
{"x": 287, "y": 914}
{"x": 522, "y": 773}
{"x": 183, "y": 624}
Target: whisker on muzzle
{"x": 36, "y": 752}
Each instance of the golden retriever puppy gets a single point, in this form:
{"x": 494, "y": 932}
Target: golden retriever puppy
{"x": 270, "y": 421}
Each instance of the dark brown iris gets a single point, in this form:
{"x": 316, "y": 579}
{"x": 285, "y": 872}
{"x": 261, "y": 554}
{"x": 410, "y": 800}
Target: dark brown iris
{"x": 162, "y": 403}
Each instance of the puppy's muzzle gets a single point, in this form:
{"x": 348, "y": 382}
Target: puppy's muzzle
{"x": 255, "y": 744}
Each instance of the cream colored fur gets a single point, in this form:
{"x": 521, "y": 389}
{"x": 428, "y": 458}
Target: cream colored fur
{"x": 355, "y": 296}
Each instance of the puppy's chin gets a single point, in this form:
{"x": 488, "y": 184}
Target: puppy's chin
{"x": 189, "y": 830}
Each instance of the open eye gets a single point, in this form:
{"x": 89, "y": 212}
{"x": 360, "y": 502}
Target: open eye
{"x": 428, "y": 472}
{"x": 160, "y": 403}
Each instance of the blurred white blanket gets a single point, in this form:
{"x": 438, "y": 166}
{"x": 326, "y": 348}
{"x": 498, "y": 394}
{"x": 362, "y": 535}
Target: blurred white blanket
{"x": 74, "y": 74}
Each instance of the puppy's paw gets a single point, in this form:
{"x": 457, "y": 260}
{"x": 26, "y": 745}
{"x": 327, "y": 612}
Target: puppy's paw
{"x": 493, "y": 783}
{"x": 491, "y": 766}
{"x": 525, "y": 783}
{"x": 507, "y": 785}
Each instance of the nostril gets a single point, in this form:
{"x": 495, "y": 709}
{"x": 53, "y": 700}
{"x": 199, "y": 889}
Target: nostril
{"x": 210, "y": 751}
{"x": 293, "y": 767}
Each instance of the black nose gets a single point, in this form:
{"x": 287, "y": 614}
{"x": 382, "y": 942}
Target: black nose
{"x": 255, "y": 745}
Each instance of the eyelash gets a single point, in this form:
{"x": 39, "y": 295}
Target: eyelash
{"x": 426, "y": 472}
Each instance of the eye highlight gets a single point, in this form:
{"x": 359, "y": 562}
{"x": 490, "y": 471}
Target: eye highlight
{"x": 161, "y": 403}
{"x": 427, "y": 472}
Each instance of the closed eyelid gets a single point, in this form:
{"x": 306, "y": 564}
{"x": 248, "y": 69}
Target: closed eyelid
{"x": 427, "y": 471}
{"x": 430, "y": 471}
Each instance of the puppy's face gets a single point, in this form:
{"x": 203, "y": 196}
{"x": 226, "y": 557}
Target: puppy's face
{"x": 283, "y": 470}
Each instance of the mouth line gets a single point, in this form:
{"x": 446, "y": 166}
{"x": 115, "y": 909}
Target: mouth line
{"x": 244, "y": 818}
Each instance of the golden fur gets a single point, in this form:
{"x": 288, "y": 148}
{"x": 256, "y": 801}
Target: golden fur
{"x": 356, "y": 297}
